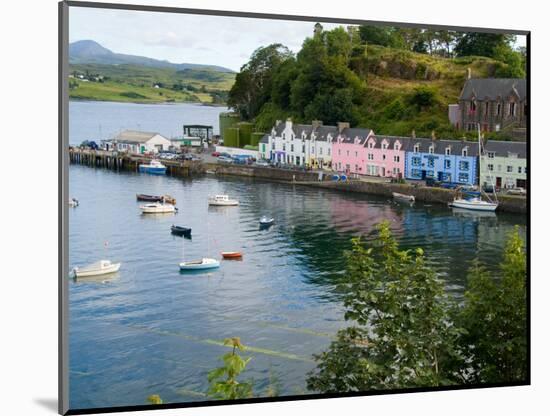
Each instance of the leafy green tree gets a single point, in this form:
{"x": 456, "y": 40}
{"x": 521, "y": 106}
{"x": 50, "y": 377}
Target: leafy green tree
{"x": 482, "y": 44}
{"x": 402, "y": 336}
{"x": 380, "y": 35}
{"x": 495, "y": 319}
{"x": 223, "y": 380}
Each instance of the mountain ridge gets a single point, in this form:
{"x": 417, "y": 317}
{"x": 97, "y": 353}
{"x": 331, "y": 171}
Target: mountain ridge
{"x": 88, "y": 51}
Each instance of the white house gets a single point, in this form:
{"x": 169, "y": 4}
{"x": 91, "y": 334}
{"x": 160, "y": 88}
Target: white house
{"x": 300, "y": 144}
{"x": 140, "y": 142}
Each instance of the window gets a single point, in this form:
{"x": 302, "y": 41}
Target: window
{"x": 416, "y": 173}
{"x": 431, "y": 162}
{"x": 284, "y": 147}
{"x": 463, "y": 177}
{"x": 383, "y": 157}
{"x": 491, "y": 155}
{"x": 512, "y": 109}
{"x": 292, "y": 148}
{"x": 339, "y": 166}
{"x": 416, "y": 148}
{"x": 339, "y": 152}
{"x": 490, "y": 167}
{"x": 446, "y": 177}
{"x": 431, "y": 150}
{"x": 371, "y": 145}
{"x": 472, "y": 106}
{"x": 321, "y": 151}
{"x": 396, "y": 146}
{"x": 465, "y": 152}
{"x": 430, "y": 174}
{"x": 384, "y": 146}
{"x": 356, "y": 168}
{"x": 519, "y": 169}
{"x": 416, "y": 161}
{"x": 463, "y": 165}
{"x": 283, "y": 136}
{"x": 486, "y": 107}
{"x": 396, "y": 158}
{"x": 525, "y": 170}
{"x": 370, "y": 156}
{"x": 448, "y": 151}
{"x": 355, "y": 154}
{"x": 499, "y": 109}
{"x": 273, "y": 145}
{"x": 303, "y": 148}
{"x": 447, "y": 164}
{"x": 509, "y": 169}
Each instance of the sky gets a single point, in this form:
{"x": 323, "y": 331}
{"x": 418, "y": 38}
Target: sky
{"x": 179, "y": 38}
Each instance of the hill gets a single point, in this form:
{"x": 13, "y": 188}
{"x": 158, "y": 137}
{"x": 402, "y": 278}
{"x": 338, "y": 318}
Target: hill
{"x": 91, "y": 52}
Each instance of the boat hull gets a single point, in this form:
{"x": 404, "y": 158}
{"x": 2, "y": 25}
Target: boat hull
{"x": 152, "y": 170}
{"x": 148, "y": 198}
{"x": 203, "y": 265}
{"x": 113, "y": 268}
{"x": 223, "y": 203}
{"x": 473, "y": 206}
{"x": 181, "y": 231}
{"x": 403, "y": 197}
{"x": 232, "y": 255}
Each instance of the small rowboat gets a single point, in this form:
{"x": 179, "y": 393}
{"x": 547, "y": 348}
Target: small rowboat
{"x": 184, "y": 231}
{"x": 403, "y": 197}
{"x": 167, "y": 199}
{"x": 157, "y": 208}
{"x": 96, "y": 269}
{"x": 73, "y": 202}
{"x": 148, "y": 198}
{"x": 232, "y": 255}
{"x": 202, "y": 264}
{"x": 266, "y": 221}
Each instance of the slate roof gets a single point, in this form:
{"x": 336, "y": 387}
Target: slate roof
{"x": 502, "y": 149}
{"x": 391, "y": 141}
{"x": 265, "y": 138}
{"x": 440, "y": 146}
{"x": 133, "y": 136}
{"x": 493, "y": 88}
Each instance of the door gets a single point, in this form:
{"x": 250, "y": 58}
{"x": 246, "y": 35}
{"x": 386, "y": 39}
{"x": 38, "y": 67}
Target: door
{"x": 383, "y": 171}
{"x": 499, "y": 182}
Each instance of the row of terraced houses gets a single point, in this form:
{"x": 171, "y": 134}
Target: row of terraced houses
{"x": 360, "y": 151}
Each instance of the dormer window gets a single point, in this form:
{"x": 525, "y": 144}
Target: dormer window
{"x": 465, "y": 152}
{"x": 431, "y": 149}
{"x": 396, "y": 146}
{"x": 447, "y": 151}
{"x": 416, "y": 148}
{"x": 371, "y": 144}
{"x": 384, "y": 145}
{"x": 472, "y": 106}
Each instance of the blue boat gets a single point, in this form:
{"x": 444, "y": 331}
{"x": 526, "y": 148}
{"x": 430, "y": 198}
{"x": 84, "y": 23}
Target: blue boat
{"x": 154, "y": 167}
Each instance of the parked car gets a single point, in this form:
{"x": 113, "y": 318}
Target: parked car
{"x": 215, "y": 154}
{"x": 432, "y": 182}
{"x": 489, "y": 189}
{"x": 263, "y": 163}
{"x": 225, "y": 159}
{"x": 224, "y": 154}
{"x": 517, "y": 191}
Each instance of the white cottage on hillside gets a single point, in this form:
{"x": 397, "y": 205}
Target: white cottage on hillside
{"x": 301, "y": 144}
{"x": 138, "y": 142}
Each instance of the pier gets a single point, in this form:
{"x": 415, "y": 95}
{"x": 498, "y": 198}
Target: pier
{"x": 130, "y": 162}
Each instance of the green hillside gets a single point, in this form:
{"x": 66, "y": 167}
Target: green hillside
{"x": 141, "y": 84}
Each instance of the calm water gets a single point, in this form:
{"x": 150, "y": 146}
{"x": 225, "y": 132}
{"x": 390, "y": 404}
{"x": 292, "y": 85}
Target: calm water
{"x": 91, "y": 120}
{"x": 150, "y": 329}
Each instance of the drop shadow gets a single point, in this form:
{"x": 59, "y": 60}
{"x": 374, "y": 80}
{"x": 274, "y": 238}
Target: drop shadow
{"x": 48, "y": 404}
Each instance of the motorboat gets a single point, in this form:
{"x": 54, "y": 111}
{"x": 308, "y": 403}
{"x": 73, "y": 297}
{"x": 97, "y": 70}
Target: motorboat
{"x": 97, "y": 269}
{"x": 154, "y": 167}
{"x": 228, "y": 255}
{"x": 403, "y": 197}
{"x": 474, "y": 203}
{"x": 201, "y": 264}
{"x": 182, "y": 231}
{"x": 266, "y": 221}
{"x": 222, "y": 200}
{"x": 73, "y": 202}
{"x": 158, "y": 208}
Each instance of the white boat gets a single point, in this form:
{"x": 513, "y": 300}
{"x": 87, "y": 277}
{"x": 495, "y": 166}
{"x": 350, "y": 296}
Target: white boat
{"x": 403, "y": 197}
{"x": 154, "y": 167}
{"x": 266, "y": 221}
{"x": 157, "y": 208}
{"x": 97, "y": 269}
{"x": 201, "y": 264}
{"x": 222, "y": 200}
{"x": 73, "y": 202}
{"x": 476, "y": 204}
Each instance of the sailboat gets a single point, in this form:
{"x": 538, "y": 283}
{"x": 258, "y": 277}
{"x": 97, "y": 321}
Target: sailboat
{"x": 204, "y": 263}
{"x": 472, "y": 200}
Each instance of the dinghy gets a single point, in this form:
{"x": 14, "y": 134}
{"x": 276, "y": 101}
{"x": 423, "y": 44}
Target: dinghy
{"x": 157, "y": 208}
{"x": 184, "y": 231}
{"x": 266, "y": 221}
{"x": 148, "y": 198}
{"x": 403, "y": 197}
{"x": 202, "y": 264}
{"x": 228, "y": 255}
{"x": 73, "y": 202}
{"x": 97, "y": 269}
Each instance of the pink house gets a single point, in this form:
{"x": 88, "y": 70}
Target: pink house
{"x": 359, "y": 151}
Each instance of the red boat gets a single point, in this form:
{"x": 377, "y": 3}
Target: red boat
{"x": 232, "y": 255}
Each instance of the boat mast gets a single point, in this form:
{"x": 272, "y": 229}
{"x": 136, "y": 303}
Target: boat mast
{"x": 480, "y": 156}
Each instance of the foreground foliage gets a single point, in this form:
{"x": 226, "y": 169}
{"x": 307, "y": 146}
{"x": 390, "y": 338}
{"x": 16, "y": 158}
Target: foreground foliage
{"x": 407, "y": 333}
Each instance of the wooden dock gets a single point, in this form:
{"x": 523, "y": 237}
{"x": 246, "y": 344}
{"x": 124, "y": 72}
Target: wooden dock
{"x": 130, "y": 162}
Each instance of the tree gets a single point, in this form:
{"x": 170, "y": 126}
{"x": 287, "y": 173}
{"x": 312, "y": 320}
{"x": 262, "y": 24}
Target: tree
{"x": 482, "y": 44}
{"x": 495, "y": 319}
{"x": 402, "y": 335}
{"x": 223, "y": 380}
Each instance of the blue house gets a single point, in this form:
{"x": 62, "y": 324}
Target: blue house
{"x": 451, "y": 161}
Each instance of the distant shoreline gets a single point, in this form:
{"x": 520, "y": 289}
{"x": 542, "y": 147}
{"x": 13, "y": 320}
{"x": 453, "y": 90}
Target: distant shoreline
{"x": 198, "y": 103}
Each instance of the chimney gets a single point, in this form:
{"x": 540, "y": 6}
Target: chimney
{"x": 316, "y": 123}
{"x": 469, "y": 73}
{"x": 342, "y": 125}
{"x": 277, "y": 122}
{"x": 413, "y": 134}
{"x": 288, "y": 123}
{"x": 433, "y": 135}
